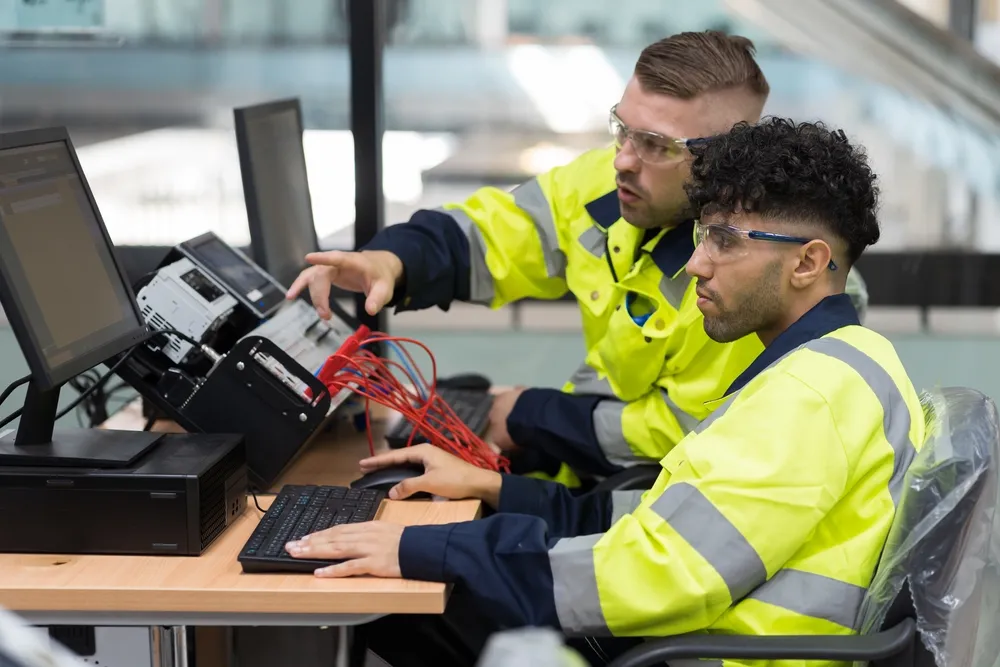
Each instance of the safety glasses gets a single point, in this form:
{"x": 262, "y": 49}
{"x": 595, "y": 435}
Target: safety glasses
{"x": 651, "y": 147}
{"x": 725, "y": 243}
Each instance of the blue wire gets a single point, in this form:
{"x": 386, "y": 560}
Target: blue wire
{"x": 409, "y": 369}
{"x": 402, "y": 358}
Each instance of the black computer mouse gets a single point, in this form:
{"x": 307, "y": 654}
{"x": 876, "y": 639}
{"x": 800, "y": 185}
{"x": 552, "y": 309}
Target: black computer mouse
{"x": 469, "y": 381}
{"x": 385, "y": 478}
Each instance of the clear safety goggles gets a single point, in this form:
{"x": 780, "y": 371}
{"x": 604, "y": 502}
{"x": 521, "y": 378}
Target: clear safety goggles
{"x": 651, "y": 147}
{"x": 725, "y": 243}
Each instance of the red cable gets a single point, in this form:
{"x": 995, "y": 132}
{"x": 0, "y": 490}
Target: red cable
{"x": 358, "y": 370}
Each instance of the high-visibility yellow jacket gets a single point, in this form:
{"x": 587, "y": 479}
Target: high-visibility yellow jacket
{"x": 768, "y": 518}
{"x": 650, "y": 369}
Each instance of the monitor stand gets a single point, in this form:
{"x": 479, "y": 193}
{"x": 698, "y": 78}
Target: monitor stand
{"x": 36, "y": 443}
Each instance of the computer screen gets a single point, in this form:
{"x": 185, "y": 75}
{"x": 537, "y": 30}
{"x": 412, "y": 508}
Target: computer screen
{"x": 73, "y": 307}
{"x": 276, "y": 187}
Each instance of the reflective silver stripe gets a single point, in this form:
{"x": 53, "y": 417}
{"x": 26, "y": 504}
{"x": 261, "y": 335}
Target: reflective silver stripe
{"x": 529, "y": 198}
{"x": 712, "y": 535}
{"x": 673, "y": 289}
{"x": 686, "y": 421}
{"x": 574, "y": 586}
{"x": 719, "y": 411}
{"x": 610, "y": 437}
{"x": 480, "y": 278}
{"x": 895, "y": 413}
{"x": 585, "y": 381}
{"x": 812, "y": 595}
{"x": 624, "y": 502}
{"x": 593, "y": 240}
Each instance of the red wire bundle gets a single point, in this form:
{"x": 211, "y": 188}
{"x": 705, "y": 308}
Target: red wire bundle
{"x": 354, "y": 368}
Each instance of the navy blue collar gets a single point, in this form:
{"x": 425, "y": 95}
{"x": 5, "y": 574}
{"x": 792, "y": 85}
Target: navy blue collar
{"x": 671, "y": 252}
{"x": 828, "y": 315}
{"x": 605, "y": 210}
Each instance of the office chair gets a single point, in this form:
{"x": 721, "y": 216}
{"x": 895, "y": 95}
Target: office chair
{"x": 638, "y": 477}
{"x": 940, "y": 559}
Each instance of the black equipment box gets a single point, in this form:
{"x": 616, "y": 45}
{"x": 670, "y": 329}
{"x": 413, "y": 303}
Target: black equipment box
{"x": 176, "y": 499}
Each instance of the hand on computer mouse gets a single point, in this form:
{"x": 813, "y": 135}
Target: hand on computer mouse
{"x": 372, "y": 272}
{"x": 444, "y": 475}
{"x": 503, "y": 404}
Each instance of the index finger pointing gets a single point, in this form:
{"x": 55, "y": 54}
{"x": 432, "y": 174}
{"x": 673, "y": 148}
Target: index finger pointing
{"x": 333, "y": 258}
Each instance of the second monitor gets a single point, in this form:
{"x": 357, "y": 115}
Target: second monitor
{"x": 276, "y": 187}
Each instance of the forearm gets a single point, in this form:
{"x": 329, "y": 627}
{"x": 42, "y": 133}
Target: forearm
{"x": 565, "y": 514}
{"x": 501, "y": 560}
{"x": 434, "y": 252}
{"x": 586, "y": 432}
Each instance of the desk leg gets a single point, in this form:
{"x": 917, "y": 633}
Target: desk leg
{"x": 352, "y": 648}
{"x": 168, "y": 646}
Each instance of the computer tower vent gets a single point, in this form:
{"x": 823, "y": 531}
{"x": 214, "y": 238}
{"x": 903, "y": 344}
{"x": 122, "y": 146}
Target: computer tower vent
{"x": 212, "y": 493}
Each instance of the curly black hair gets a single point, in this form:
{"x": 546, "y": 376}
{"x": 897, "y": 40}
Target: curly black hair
{"x": 789, "y": 171}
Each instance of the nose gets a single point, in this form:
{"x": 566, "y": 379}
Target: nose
{"x": 699, "y": 266}
{"x": 626, "y": 159}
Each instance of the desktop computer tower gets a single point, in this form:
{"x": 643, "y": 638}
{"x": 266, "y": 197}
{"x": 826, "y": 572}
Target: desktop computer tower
{"x": 174, "y": 500}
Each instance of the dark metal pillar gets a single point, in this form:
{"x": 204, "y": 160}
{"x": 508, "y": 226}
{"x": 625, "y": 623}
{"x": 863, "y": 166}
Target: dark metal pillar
{"x": 366, "y": 19}
{"x": 963, "y": 15}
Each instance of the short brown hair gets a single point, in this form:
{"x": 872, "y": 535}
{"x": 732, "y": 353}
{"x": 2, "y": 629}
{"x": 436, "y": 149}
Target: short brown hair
{"x": 688, "y": 64}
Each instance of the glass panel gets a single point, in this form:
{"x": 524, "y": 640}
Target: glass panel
{"x": 152, "y": 119}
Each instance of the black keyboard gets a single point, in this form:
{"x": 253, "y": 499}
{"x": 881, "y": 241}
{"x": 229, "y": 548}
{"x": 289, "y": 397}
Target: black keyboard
{"x": 472, "y": 407}
{"x": 298, "y": 511}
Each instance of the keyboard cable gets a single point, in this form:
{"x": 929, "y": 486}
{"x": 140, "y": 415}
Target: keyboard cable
{"x": 209, "y": 352}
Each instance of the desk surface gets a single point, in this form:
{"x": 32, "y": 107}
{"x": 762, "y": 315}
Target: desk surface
{"x": 214, "y": 583}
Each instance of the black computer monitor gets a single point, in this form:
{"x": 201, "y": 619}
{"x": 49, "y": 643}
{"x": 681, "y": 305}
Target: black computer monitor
{"x": 65, "y": 295}
{"x": 276, "y": 187}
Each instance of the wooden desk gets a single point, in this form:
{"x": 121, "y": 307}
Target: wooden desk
{"x": 211, "y": 589}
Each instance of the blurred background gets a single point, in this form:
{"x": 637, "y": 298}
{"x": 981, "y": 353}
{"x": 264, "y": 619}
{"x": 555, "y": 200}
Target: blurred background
{"x": 492, "y": 92}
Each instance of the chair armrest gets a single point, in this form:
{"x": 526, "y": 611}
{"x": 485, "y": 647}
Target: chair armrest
{"x": 636, "y": 477}
{"x": 877, "y": 646}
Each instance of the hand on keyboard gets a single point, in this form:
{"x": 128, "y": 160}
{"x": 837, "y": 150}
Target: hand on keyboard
{"x": 298, "y": 511}
{"x": 370, "y": 548}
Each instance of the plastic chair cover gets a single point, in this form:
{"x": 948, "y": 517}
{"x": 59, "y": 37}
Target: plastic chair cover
{"x": 943, "y": 542}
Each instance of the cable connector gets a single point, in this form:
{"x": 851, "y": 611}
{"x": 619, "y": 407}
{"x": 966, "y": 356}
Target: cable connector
{"x": 336, "y": 361}
{"x": 213, "y": 356}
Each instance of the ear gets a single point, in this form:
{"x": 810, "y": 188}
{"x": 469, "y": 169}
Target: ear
{"x": 813, "y": 263}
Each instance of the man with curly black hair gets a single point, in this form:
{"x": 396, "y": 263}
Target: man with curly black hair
{"x": 768, "y": 518}
{"x": 790, "y": 220}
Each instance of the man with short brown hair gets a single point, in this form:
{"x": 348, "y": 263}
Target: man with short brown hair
{"x": 615, "y": 229}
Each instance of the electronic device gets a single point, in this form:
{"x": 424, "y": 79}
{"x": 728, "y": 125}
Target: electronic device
{"x": 88, "y": 490}
{"x": 276, "y": 186}
{"x": 262, "y": 383}
{"x": 261, "y": 294}
{"x": 184, "y": 297}
{"x": 384, "y": 479}
{"x": 174, "y": 500}
{"x": 298, "y": 511}
{"x": 472, "y": 407}
{"x": 64, "y": 325}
